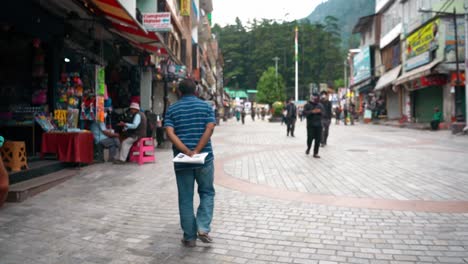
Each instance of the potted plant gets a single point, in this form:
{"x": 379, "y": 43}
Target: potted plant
{"x": 277, "y": 113}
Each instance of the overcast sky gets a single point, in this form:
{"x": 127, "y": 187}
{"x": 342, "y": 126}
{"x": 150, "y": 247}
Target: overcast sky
{"x": 226, "y": 11}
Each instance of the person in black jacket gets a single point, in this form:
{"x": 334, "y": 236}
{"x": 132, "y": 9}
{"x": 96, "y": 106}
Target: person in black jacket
{"x": 291, "y": 116}
{"x": 326, "y": 116}
{"x": 313, "y": 111}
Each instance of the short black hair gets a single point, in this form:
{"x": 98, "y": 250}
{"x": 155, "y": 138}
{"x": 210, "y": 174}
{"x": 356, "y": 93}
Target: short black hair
{"x": 187, "y": 86}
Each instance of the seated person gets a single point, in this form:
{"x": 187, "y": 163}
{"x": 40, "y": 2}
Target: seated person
{"x": 436, "y": 119}
{"x": 134, "y": 130}
{"x": 106, "y": 138}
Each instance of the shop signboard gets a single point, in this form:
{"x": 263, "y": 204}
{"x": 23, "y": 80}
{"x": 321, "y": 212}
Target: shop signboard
{"x": 417, "y": 61}
{"x": 430, "y": 80}
{"x": 362, "y": 65}
{"x": 185, "y": 7}
{"x": 420, "y": 44}
{"x": 450, "y": 39}
{"x": 461, "y": 78}
{"x": 157, "y": 22}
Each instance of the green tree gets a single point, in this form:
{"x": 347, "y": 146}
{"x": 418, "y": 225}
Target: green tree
{"x": 269, "y": 89}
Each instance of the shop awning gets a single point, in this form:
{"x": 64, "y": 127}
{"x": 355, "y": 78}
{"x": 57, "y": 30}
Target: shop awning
{"x": 128, "y": 27}
{"x": 388, "y": 78}
{"x": 419, "y": 72}
{"x": 363, "y": 86}
{"x": 116, "y": 12}
{"x": 252, "y": 91}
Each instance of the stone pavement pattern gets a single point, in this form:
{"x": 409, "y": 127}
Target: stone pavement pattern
{"x": 128, "y": 214}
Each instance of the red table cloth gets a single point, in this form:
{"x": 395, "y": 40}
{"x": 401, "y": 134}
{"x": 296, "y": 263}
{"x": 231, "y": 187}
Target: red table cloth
{"x": 69, "y": 147}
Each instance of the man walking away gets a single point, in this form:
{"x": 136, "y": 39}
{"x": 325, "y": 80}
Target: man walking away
{"x": 326, "y": 116}
{"x": 313, "y": 111}
{"x": 189, "y": 124}
{"x": 291, "y": 116}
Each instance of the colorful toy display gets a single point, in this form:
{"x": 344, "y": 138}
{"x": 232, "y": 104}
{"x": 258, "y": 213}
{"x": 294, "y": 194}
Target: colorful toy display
{"x": 60, "y": 117}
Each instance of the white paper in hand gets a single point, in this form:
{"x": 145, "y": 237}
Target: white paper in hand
{"x": 195, "y": 159}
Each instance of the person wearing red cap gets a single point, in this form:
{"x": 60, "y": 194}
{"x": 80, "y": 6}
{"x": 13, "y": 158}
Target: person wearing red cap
{"x": 135, "y": 131}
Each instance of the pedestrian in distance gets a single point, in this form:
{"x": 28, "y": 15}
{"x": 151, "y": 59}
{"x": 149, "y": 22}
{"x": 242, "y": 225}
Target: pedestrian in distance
{"x": 352, "y": 113}
{"x": 300, "y": 113}
{"x": 291, "y": 117}
{"x": 189, "y": 124}
{"x": 243, "y": 114}
{"x": 238, "y": 114}
{"x": 263, "y": 113}
{"x": 345, "y": 114}
{"x": 313, "y": 111}
{"x": 252, "y": 113}
{"x": 326, "y": 116}
{"x": 337, "y": 115}
{"x": 436, "y": 119}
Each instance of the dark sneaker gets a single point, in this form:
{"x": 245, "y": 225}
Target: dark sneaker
{"x": 307, "y": 151}
{"x": 205, "y": 238}
{"x": 316, "y": 156}
{"x": 189, "y": 243}
{"x": 118, "y": 162}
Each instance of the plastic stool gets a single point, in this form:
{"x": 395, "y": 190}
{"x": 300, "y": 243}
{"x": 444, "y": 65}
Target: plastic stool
{"x": 142, "y": 151}
{"x": 14, "y": 155}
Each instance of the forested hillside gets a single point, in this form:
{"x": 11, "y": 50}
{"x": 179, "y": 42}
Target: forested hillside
{"x": 347, "y": 12}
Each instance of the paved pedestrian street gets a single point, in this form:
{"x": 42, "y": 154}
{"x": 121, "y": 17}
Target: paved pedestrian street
{"x": 378, "y": 195}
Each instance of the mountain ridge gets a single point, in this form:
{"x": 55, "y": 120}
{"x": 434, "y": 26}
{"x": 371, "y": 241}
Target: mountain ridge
{"x": 347, "y": 12}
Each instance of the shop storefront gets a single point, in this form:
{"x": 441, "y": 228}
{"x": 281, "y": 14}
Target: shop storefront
{"x": 29, "y": 52}
{"x": 425, "y": 99}
{"x": 391, "y": 95}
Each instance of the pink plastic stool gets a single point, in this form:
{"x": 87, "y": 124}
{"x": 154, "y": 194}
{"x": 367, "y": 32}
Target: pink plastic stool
{"x": 142, "y": 151}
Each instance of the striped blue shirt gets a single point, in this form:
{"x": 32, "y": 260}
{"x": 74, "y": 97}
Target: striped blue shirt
{"x": 189, "y": 117}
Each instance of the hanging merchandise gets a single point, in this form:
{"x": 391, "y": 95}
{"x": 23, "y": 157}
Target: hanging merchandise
{"x": 100, "y": 80}
{"x": 72, "y": 118}
{"x": 60, "y": 117}
{"x": 100, "y": 108}
{"x": 39, "y": 76}
{"x": 44, "y": 121}
{"x": 100, "y": 93}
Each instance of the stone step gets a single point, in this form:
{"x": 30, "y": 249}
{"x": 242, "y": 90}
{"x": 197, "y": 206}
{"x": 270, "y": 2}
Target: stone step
{"x": 19, "y": 192}
{"x": 36, "y": 168}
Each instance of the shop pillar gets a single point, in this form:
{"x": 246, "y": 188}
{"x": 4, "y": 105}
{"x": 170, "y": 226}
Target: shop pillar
{"x": 146, "y": 89}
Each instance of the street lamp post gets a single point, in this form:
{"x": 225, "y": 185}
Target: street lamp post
{"x": 276, "y": 59}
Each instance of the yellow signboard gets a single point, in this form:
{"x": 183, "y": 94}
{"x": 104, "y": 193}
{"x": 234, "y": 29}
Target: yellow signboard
{"x": 423, "y": 40}
{"x": 185, "y": 7}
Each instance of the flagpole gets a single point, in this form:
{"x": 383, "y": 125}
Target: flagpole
{"x": 297, "y": 65}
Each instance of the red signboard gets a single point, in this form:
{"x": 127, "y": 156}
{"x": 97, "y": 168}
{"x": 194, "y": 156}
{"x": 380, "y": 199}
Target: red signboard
{"x": 430, "y": 80}
{"x": 453, "y": 79}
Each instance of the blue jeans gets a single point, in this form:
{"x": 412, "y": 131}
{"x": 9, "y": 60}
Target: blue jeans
{"x": 185, "y": 185}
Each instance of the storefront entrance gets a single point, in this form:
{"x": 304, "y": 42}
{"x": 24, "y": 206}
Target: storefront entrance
{"x": 424, "y": 102}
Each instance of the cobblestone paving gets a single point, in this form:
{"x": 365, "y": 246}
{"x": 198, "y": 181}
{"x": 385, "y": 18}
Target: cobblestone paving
{"x": 128, "y": 214}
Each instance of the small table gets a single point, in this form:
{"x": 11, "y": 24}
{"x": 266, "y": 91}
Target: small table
{"x": 69, "y": 147}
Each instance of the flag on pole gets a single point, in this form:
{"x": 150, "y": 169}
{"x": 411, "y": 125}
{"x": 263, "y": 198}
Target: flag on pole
{"x": 296, "y": 58}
